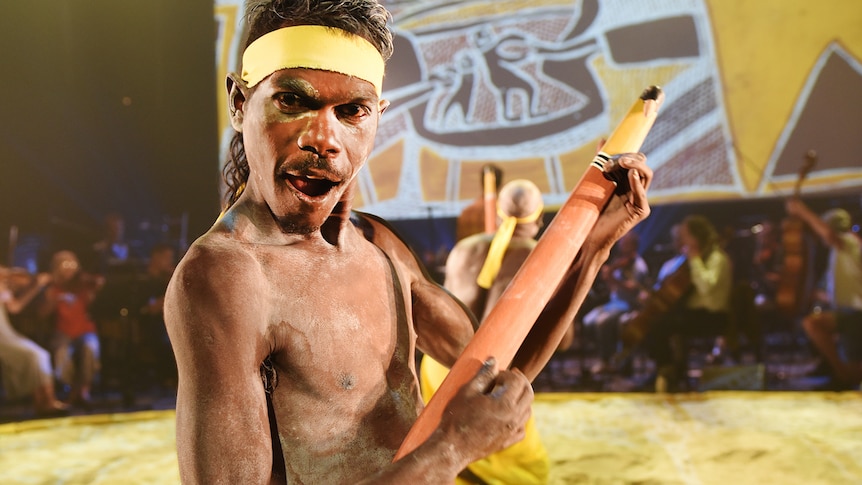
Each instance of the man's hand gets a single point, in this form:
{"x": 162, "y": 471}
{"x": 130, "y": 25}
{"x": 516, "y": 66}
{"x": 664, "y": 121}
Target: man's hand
{"x": 488, "y": 413}
{"x": 624, "y": 211}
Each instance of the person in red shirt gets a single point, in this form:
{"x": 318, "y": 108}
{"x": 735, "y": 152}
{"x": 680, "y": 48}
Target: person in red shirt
{"x": 76, "y": 343}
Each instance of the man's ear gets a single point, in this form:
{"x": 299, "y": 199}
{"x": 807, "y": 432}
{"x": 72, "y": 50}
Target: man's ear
{"x": 384, "y": 103}
{"x": 236, "y": 96}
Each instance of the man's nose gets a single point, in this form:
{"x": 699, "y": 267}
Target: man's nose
{"x": 321, "y": 134}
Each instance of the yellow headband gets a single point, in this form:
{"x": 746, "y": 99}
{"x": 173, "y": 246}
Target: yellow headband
{"x": 313, "y": 47}
{"x": 500, "y": 244}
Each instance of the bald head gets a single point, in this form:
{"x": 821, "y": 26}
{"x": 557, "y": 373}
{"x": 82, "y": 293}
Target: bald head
{"x": 520, "y": 198}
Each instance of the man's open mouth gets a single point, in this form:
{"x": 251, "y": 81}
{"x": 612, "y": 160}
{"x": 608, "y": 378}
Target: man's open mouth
{"x": 311, "y": 186}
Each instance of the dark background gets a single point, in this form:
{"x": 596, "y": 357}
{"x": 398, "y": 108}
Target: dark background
{"x": 108, "y": 106}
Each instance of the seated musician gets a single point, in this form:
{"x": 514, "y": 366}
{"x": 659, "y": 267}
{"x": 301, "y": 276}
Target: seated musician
{"x": 702, "y": 311}
{"x": 625, "y": 275}
{"x": 766, "y": 267}
{"x": 670, "y": 266}
{"x": 839, "y": 326}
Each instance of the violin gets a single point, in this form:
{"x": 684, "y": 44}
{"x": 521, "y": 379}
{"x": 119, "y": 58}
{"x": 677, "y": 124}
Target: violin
{"x": 670, "y": 292}
{"x": 17, "y": 278}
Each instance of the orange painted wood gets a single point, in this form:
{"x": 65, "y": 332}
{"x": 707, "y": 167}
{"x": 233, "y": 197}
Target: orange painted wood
{"x": 489, "y": 185}
{"x": 509, "y": 322}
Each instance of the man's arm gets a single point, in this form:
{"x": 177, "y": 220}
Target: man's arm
{"x": 15, "y": 304}
{"x": 796, "y": 207}
{"x": 622, "y": 214}
{"x": 222, "y": 423}
{"x": 462, "y": 267}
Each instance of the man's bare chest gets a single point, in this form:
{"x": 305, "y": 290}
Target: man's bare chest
{"x": 327, "y": 315}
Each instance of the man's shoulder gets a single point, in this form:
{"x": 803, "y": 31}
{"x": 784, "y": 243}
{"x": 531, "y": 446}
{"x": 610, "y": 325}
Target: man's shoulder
{"x": 471, "y": 248}
{"x": 376, "y": 230}
{"x": 474, "y": 242}
{"x": 382, "y": 235}
{"x": 216, "y": 260}
{"x": 216, "y": 245}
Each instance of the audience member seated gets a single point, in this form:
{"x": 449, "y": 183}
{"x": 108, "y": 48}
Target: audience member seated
{"x": 76, "y": 344}
{"x": 674, "y": 263}
{"x": 702, "y": 311}
{"x": 837, "y": 329}
{"x": 671, "y": 283}
{"x": 111, "y": 254}
{"x": 625, "y": 276}
{"x": 25, "y": 366}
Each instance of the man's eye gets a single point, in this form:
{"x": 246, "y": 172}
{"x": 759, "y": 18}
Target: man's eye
{"x": 288, "y": 101}
{"x": 354, "y": 111}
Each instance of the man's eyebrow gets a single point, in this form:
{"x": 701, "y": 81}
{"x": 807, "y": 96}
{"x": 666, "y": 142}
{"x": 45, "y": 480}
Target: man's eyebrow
{"x": 300, "y": 86}
{"x": 362, "y": 98}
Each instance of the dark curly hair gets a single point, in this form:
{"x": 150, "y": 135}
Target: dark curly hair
{"x": 365, "y": 18}
{"x": 702, "y": 230}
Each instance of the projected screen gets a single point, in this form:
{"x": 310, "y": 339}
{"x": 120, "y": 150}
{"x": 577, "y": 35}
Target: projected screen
{"x": 534, "y": 87}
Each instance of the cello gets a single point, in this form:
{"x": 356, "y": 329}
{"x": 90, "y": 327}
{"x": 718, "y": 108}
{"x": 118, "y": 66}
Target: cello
{"x": 670, "y": 292}
{"x": 792, "y": 295}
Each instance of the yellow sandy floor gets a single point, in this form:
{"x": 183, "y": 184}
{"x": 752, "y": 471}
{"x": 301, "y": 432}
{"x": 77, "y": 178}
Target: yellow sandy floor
{"x": 711, "y": 438}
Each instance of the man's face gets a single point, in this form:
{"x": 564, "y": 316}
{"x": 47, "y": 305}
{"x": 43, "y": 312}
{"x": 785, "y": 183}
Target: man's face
{"x": 307, "y": 133}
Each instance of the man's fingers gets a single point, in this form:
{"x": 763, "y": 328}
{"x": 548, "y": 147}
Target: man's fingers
{"x": 637, "y": 162}
{"x": 638, "y": 197}
{"x": 526, "y": 387}
{"x": 515, "y": 386}
{"x": 485, "y": 377}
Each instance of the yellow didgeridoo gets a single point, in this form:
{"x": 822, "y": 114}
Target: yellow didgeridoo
{"x": 489, "y": 195}
{"x": 509, "y": 322}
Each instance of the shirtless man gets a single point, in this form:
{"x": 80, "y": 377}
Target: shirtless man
{"x": 293, "y": 317}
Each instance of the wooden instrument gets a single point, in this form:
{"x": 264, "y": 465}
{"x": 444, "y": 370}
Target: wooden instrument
{"x": 669, "y": 293}
{"x": 509, "y": 322}
{"x": 489, "y": 197}
{"x": 16, "y": 279}
{"x": 791, "y": 297}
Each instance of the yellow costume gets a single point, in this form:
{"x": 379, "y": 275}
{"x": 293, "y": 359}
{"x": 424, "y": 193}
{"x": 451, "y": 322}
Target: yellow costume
{"x": 524, "y": 463}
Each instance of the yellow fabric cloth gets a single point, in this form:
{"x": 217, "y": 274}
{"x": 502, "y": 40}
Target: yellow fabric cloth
{"x": 500, "y": 244}
{"x": 313, "y": 47}
{"x": 524, "y": 463}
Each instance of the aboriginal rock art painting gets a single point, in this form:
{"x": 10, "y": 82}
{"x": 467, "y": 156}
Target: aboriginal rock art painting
{"x": 534, "y": 86}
